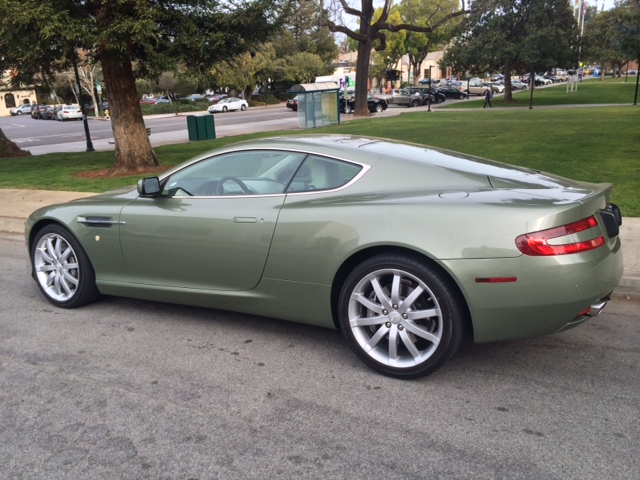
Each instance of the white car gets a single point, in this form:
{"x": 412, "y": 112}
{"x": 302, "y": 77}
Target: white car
{"x": 227, "y": 104}
{"x": 70, "y": 112}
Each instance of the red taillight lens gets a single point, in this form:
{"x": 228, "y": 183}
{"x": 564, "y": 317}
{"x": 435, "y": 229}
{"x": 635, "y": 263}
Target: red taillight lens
{"x": 536, "y": 244}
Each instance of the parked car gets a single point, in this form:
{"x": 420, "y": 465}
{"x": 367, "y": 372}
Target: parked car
{"x": 22, "y": 109}
{"x": 401, "y": 97}
{"x": 148, "y": 100}
{"x": 518, "y": 85}
{"x": 70, "y": 112}
{"x": 52, "y": 114}
{"x": 452, "y": 92}
{"x": 540, "y": 80}
{"x": 193, "y": 97}
{"x": 476, "y": 87}
{"x": 46, "y": 113}
{"x": 34, "y": 110}
{"x": 228, "y": 104}
{"x": 292, "y": 103}
{"x": 216, "y": 97}
{"x": 496, "y": 87}
{"x": 428, "y": 94}
{"x": 282, "y": 227}
{"x": 348, "y": 104}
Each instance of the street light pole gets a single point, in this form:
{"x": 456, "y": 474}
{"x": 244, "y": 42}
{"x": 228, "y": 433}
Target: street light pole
{"x": 84, "y": 110}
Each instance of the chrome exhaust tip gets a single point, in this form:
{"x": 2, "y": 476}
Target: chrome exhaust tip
{"x": 596, "y": 308}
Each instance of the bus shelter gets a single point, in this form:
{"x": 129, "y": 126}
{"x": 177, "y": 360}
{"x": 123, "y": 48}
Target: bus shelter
{"x": 318, "y": 104}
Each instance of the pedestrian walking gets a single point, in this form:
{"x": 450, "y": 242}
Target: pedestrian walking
{"x": 487, "y": 99}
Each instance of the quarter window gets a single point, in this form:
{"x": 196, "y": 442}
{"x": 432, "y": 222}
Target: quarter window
{"x": 319, "y": 173}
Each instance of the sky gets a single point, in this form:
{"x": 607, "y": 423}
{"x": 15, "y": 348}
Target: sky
{"x": 608, "y": 4}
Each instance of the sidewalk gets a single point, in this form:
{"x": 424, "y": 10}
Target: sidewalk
{"x": 16, "y": 205}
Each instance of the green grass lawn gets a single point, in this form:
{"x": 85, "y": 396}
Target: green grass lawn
{"x": 595, "y": 144}
{"x": 588, "y": 92}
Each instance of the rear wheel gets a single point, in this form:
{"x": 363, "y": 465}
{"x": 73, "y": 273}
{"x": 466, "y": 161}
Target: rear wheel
{"x": 62, "y": 269}
{"x": 243, "y": 108}
{"x": 401, "y": 317}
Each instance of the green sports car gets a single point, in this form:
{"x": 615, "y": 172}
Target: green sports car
{"x": 407, "y": 249}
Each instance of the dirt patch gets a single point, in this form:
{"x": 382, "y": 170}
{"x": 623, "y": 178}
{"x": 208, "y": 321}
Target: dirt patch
{"x": 117, "y": 172}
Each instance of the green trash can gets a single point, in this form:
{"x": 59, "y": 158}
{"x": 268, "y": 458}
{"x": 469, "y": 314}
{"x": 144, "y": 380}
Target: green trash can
{"x": 201, "y": 127}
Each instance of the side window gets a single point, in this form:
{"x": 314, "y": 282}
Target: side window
{"x": 252, "y": 172}
{"x": 318, "y": 173}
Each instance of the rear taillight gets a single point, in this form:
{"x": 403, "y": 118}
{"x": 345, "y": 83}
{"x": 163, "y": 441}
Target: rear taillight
{"x": 536, "y": 243}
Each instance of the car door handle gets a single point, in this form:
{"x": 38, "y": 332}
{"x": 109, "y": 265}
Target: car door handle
{"x": 245, "y": 219}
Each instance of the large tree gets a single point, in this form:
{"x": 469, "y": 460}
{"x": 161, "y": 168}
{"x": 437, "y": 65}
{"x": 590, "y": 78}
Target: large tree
{"x": 627, "y": 26}
{"x": 419, "y": 44}
{"x": 129, "y": 38}
{"x": 372, "y": 34}
{"x": 515, "y": 35}
{"x": 601, "y": 43}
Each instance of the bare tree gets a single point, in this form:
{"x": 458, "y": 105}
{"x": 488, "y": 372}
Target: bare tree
{"x": 371, "y": 35}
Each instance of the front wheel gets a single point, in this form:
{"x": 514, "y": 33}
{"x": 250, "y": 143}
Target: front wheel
{"x": 379, "y": 108}
{"x": 401, "y": 317}
{"x": 225, "y": 109}
{"x": 347, "y": 109}
{"x": 62, "y": 269}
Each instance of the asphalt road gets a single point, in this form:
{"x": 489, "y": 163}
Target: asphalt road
{"x": 132, "y": 389}
{"x": 27, "y": 132}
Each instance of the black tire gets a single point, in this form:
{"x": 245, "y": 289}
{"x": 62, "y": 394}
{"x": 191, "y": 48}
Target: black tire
{"x": 225, "y": 109}
{"x": 414, "y": 103}
{"x": 379, "y": 108}
{"x": 412, "y": 338}
{"x": 243, "y": 108}
{"x": 347, "y": 109}
{"x": 19, "y": 112}
{"x": 62, "y": 269}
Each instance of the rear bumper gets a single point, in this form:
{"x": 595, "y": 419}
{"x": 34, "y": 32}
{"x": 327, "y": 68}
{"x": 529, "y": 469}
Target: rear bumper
{"x": 550, "y": 294}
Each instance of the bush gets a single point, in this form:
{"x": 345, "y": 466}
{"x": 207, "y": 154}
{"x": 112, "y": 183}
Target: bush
{"x": 264, "y": 99}
{"x": 175, "y": 107}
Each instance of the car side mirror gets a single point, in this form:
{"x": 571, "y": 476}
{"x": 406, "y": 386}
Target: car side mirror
{"x": 149, "y": 186}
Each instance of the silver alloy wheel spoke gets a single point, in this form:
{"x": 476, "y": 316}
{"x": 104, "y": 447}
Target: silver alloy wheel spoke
{"x": 56, "y": 267}
{"x": 395, "y": 318}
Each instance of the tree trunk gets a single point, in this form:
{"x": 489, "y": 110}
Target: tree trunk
{"x": 8, "y": 149}
{"x": 362, "y": 75}
{"x": 508, "y": 92}
{"x": 133, "y": 149}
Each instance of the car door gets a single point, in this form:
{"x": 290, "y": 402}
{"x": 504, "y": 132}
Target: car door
{"x": 213, "y": 224}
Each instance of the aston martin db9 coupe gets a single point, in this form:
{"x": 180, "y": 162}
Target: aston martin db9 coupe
{"x": 407, "y": 249}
